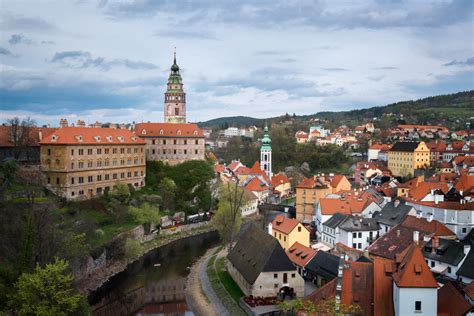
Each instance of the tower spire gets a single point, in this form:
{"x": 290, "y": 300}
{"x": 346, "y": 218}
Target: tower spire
{"x": 175, "y": 54}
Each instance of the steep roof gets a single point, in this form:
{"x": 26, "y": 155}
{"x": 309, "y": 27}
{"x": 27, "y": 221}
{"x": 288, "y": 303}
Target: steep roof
{"x": 357, "y": 223}
{"x": 427, "y": 227}
{"x": 184, "y": 130}
{"x": 251, "y": 259}
{"x": 424, "y": 188}
{"x": 413, "y": 270}
{"x": 256, "y": 185}
{"x": 335, "y": 220}
{"x": 284, "y": 224}
{"x": 447, "y": 251}
{"x": 324, "y": 264}
{"x": 330, "y": 206}
{"x": 467, "y": 267}
{"x": 300, "y": 254}
{"x": 72, "y": 135}
{"x": 405, "y": 146}
{"x": 451, "y": 301}
{"x": 278, "y": 179}
{"x": 392, "y": 243}
{"x": 383, "y": 286}
{"x": 392, "y": 215}
{"x": 257, "y": 170}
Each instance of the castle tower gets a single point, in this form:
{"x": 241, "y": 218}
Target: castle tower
{"x": 175, "y": 98}
{"x": 266, "y": 153}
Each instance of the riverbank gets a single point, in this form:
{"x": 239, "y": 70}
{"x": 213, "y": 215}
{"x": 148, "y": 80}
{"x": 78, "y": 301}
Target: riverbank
{"x": 94, "y": 280}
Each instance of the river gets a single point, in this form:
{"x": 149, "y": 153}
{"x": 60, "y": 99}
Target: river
{"x": 155, "y": 283}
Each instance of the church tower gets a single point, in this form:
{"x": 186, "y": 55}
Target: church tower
{"x": 175, "y": 98}
{"x": 266, "y": 153}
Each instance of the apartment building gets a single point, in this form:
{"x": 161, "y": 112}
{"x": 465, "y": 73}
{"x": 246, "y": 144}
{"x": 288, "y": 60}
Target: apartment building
{"x": 82, "y": 162}
{"x": 405, "y": 157}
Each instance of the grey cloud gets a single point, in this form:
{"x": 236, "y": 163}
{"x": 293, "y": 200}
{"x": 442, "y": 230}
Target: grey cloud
{"x": 187, "y": 34}
{"x": 467, "y": 62}
{"x": 287, "y": 60}
{"x": 373, "y": 15}
{"x": 335, "y": 69}
{"x": 386, "y": 68}
{"x": 27, "y": 24}
{"x": 6, "y": 52}
{"x": 375, "y": 78}
{"x": 82, "y": 59}
{"x": 19, "y": 39}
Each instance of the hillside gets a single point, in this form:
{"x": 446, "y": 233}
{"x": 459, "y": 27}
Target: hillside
{"x": 453, "y": 110}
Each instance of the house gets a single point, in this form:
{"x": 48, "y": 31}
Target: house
{"x": 172, "y": 143}
{"x": 414, "y": 287}
{"x": 405, "y": 157}
{"x": 357, "y": 232}
{"x": 322, "y": 268}
{"x": 445, "y": 256}
{"x": 83, "y": 162}
{"x": 301, "y": 137}
{"x": 392, "y": 214}
{"x": 281, "y": 184}
{"x": 300, "y": 255}
{"x": 262, "y": 269}
{"x": 311, "y": 190}
{"x": 374, "y": 151}
{"x": 258, "y": 188}
{"x": 330, "y": 232}
{"x": 288, "y": 231}
{"x": 251, "y": 207}
{"x": 349, "y": 203}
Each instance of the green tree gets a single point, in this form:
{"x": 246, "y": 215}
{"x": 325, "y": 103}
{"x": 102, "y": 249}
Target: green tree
{"x": 8, "y": 170}
{"x": 48, "y": 291}
{"x": 167, "y": 190}
{"x": 132, "y": 248}
{"x": 145, "y": 214}
{"x": 228, "y": 217}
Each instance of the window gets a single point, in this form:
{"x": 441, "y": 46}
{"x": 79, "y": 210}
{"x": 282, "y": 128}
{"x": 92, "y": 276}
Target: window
{"x": 99, "y": 151}
{"x": 293, "y": 275}
{"x": 449, "y": 269}
{"x": 114, "y": 176}
{"x": 114, "y": 150}
{"x": 122, "y": 150}
{"x": 354, "y": 245}
{"x": 299, "y": 228}
{"x": 99, "y": 163}
{"x": 433, "y": 264}
{"x": 417, "y": 306}
{"x": 359, "y": 245}
{"x": 81, "y": 180}
{"x": 99, "y": 177}
{"x": 196, "y": 152}
{"x": 49, "y": 180}
{"x": 107, "y": 177}
{"x": 354, "y": 235}
{"x": 185, "y": 142}
{"x": 129, "y": 174}
{"x": 129, "y": 150}
{"x": 72, "y": 165}
{"x": 276, "y": 285}
{"x": 89, "y": 164}
{"x": 275, "y": 275}
{"x": 57, "y": 181}
{"x": 197, "y": 142}
{"x": 89, "y": 151}
{"x": 90, "y": 179}
{"x": 464, "y": 230}
{"x": 72, "y": 152}
{"x": 174, "y": 151}
{"x": 49, "y": 152}
{"x": 106, "y": 151}
{"x": 360, "y": 235}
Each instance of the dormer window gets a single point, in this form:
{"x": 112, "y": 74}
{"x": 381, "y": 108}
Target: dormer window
{"x": 143, "y": 131}
{"x": 195, "y": 133}
{"x": 161, "y": 132}
{"x": 79, "y": 138}
{"x": 97, "y": 138}
{"x": 120, "y": 138}
{"x": 109, "y": 138}
{"x": 133, "y": 138}
{"x": 54, "y": 138}
{"x": 179, "y": 132}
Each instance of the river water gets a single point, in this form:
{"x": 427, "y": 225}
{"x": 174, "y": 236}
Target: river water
{"x": 154, "y": 284}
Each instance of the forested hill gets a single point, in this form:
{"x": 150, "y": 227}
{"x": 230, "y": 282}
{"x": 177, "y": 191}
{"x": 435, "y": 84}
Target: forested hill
{"x": 441, "y": 109}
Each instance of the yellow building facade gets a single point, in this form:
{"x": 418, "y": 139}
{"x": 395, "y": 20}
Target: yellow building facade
{"x": 288, "y": 231}
{"x": 82, "y": 162}
{"x": 405, "y": 157}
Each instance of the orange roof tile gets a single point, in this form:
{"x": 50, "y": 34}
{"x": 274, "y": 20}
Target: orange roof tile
{"x": 185, "y": 130}
{"x": 256, "y": 186}
{"x": 257, "y": 170}
{"x": 465, "y": 183}
{"x": 242, "y": 171}
{"x": 413, "y": 270}
{"x": 219, "y": 168}
{"x": 383, "y": 287}
{"x": 383, "y": 147}
{"x": 300, "y": 254}
{"x": 451, "y": 301}
{"x": 349, "y": 206}
{"x": 278, "y": 179}
{"x": 91, "y": 136}
{"x": 234, "y": 165}
{"x": 284, "y": 224}
{"x": 424, "y": 188}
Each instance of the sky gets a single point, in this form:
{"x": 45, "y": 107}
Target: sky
{"x": 108, "y": 61}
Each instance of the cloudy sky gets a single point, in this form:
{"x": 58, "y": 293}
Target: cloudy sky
{"x": 109, "y": 60}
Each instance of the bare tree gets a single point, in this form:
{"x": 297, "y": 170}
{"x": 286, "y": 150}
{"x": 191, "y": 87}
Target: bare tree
{"x": 21, "y": 136}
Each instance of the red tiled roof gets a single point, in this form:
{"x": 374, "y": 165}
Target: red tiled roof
{"x": 413, "y": 270}
{"x": 383, "y": 287}
{"x": 279, "y": 178}
{"x": 185, "y": 130}
{"x": 448, "y": 205}
{"x": 436, "y": 145}
{"x": 465, "y": 183}
{"x": 424, "y": 188}
{"x": 383, "y": 147}
{"x": 242, "y": 171}
{"x": 233, "y": 165}
{"x": 421, "y": 127}
{"x": 256, "y": 186}
{"x": 350, "y": 205}
{"x": 427, "y": 227}
{"x": 218, "y": 168}
{"x": 451, "y": 301}
{"x": 320, "y": 181}
{"x": 300, "y": 254}
{"x": 284, "y": 224}
{"x": 91, "y": 136}
{"x": 257, "y": 170}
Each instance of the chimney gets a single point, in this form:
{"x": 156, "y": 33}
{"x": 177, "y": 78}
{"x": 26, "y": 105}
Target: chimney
{"x": 396, "y": 203}
{"x": 430, "y": 217}
{"x": 63, "y": 122}
{"x": 416, "y": 236}
{"x": 418, "y": 214}
{"x": 434, "y": 243}
{"x": 81, "y": 123}
{"x": 40, "y": 135}
{"x": 398, "y": 232}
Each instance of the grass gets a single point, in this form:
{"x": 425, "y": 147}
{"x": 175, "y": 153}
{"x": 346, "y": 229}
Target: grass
{"x": 221, "y": 291}
{"x": 232, "y": 288}
{"x": 290, "y": 201}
